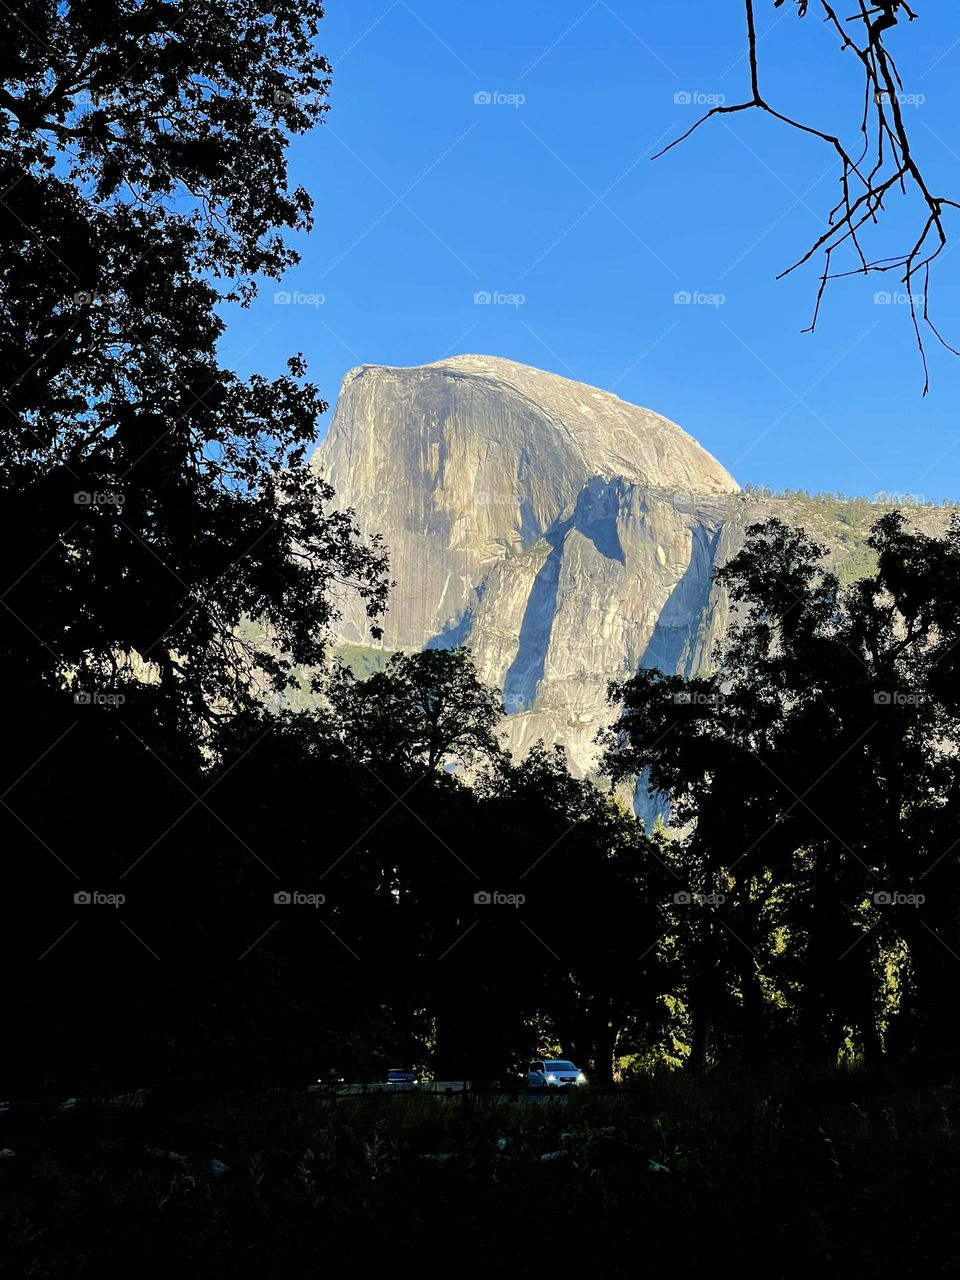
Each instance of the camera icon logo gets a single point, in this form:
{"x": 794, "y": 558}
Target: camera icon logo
{"x": 82, "y": 897}
{"x": 83, "y": 699}
{"x": 682, "y": 298}
{"x": 82, "y": 498}
{"x": 483, "y": 99}
{"x": 683, "y": 698}
{"x": 482, "y": 899}
{"x": 883, "y": 699}
{"x": 282, "y": 898}
{"x": 282, "y": 297}
{"x": 882, "y": 898}
{"x": 683, "y": 98}
{"x": 683, "y": 898}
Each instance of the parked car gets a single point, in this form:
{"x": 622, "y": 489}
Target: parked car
{"x": 554, "y": 1073}
{"x": 400, "y": 1075}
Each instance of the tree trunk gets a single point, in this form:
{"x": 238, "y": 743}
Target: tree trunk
{"x": 754, "y": 1010}
{"x": 604, "y": 1038}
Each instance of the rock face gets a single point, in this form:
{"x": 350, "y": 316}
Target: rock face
{"x": 567, "y": 537}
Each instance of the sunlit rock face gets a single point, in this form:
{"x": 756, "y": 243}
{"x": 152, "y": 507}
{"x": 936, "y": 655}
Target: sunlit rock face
{"x": 566, "y": 536}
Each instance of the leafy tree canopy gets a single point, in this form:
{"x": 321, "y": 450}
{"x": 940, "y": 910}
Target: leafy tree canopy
{"x": 153, "y": 498}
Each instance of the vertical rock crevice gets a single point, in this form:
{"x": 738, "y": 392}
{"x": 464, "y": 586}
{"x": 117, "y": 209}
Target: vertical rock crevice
{"x": 566, "y": 536}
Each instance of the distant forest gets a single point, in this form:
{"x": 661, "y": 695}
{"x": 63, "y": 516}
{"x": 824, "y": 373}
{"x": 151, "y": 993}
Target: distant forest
{"x": 880, "y": 499}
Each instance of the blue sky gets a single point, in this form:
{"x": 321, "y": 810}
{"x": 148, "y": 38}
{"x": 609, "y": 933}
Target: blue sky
{"x": 426, "y": 197}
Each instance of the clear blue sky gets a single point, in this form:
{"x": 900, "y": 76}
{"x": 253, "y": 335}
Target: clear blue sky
{"x": 425, "y": 198}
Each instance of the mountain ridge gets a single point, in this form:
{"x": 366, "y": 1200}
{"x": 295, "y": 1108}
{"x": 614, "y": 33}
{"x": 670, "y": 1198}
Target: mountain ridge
{"x": 566, "y": 536}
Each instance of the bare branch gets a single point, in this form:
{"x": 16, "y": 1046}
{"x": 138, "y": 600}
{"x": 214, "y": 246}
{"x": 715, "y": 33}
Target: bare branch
{"x": 863, "y": 191}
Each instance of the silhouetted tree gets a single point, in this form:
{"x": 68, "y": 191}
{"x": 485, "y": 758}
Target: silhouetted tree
{"x": 595, "y": 886}
{"x": 419, "y": 712}
{"x": 815, "y": 776}
{"x": 151, "y": 501}
{"x": 151, "y": 497}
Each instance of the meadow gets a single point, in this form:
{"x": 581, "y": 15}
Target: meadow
{"x": 845, "y": 1175}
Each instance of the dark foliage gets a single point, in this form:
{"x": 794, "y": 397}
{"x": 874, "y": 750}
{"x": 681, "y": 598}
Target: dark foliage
{"x": 818, "y": 773}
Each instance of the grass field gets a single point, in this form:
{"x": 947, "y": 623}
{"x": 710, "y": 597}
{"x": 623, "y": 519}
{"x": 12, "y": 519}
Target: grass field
{"x": 844, "y": 1175}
